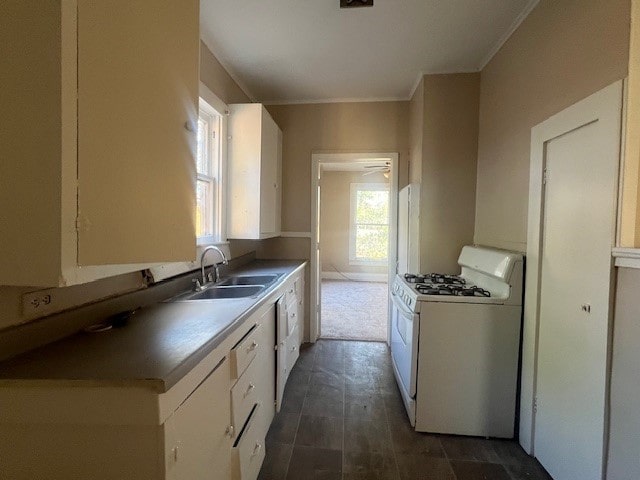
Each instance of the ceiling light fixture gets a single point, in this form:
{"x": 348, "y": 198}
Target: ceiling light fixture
{"x": 355, "y": 3}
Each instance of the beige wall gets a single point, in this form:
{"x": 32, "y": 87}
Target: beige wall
{"x": 447, "y": 132}
{"x": 333, "y": 127}
{"x": 563, "y": 52}
{"x": 630, "y": 213}
{"x": 328, "y": 127}
{"x": 335, "y": 221}
{"x": 416, "y": 133}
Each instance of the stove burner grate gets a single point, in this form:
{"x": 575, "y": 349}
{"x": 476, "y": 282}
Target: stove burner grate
{"x": 431, "y": 278}
{"x": 452, "y": 290}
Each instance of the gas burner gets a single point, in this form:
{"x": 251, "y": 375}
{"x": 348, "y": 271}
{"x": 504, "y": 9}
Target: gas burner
{"x": 437, "y": 289}
{"x": 412, "y": 278}
{"x": 445, "y": 279}
{"x": 451, "y": 290}
{"x": 475, "y": 292}
{"x": 434, "y": 278}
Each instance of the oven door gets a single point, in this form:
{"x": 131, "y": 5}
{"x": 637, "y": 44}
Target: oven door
{"x": 405, "y": 327}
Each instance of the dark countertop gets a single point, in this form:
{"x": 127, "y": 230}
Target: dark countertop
{"x": 156, "y": 348}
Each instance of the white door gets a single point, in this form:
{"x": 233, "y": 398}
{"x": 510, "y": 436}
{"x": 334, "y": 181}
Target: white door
{"x": 316, "y": 329}
{"x": 578, "y": 224}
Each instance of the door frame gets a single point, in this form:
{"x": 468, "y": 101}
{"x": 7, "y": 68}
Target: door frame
{"x": 317, "y": 161}
{"x": 604, "y": 104}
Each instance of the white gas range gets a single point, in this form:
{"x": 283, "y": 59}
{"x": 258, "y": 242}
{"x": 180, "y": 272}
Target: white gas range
{"x": 455, "y": 344}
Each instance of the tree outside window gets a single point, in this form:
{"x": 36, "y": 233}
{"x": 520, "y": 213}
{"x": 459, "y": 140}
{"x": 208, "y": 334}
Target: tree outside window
{"x": 369, "y": 239}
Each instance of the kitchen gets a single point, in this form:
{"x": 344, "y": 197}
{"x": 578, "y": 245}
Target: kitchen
{"x": 561, "y": 53}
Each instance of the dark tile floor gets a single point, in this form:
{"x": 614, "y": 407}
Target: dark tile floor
{"x": 342, "y": 418}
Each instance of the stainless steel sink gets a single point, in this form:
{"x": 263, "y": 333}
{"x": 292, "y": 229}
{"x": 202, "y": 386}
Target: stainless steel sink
{"x": 219, "y": 291}
{"x": 249, "y": 280}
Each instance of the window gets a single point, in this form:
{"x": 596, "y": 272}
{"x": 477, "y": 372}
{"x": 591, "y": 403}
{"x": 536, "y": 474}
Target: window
{"x": 369, "y": 239}
{"x": 209, "y": 167}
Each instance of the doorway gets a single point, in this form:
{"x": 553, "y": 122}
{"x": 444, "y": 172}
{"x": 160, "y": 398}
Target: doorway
{"x": 353, "y": 245}
{"x": 575, "y": 156}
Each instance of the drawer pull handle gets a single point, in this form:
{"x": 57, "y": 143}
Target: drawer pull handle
{"x": 252, "y": 347}
{"x": 291, "y": 291}
{"x": 229, "y": 431}
{"x": 293, "y": 315}
{"x": 293, "y": 349}
{"x": 249, "y": 388}
{"x": 256, "y": 449}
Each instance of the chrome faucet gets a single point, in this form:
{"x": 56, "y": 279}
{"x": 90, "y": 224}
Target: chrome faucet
{"x": 216, "y": 265}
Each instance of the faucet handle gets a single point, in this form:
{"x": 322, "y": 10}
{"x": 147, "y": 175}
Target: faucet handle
{"x": 210, "y": 277}
{"x": 197, "y": 287}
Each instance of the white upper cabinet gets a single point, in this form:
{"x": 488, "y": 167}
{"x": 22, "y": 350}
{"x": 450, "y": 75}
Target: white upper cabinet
{"x": 255, "y": 172}
{"x": 97, "y": 173}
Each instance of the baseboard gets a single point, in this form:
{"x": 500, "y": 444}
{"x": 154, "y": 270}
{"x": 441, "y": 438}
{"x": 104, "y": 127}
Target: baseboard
{"x": 356, "y": 276}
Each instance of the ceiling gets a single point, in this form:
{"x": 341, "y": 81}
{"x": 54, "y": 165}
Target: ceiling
{"x": 297, "y": 51}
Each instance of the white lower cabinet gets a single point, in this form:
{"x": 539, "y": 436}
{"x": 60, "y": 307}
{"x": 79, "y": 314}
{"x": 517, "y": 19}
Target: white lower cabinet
{"x": 252, "y": 398}
{"x": 289, "y": 331}
{"x": 249, "y": 450}
{"x": 197, "y": 435}
{"x": 211, "y": 424}
{"x": 58, "y": 432}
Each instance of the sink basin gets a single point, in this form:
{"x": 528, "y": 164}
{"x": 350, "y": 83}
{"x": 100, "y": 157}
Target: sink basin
{"x": 249, "y": 280}
{"x": 237, "y": 291}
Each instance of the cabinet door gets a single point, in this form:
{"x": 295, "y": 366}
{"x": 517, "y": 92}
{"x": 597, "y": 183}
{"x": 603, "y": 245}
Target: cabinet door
{"x": 300, "y": 307}
{"x": 197, "y": 446}
{"x": 269, "y": 181}
{"x": 281, "y": 359}
{"x": 267, "y": 365}
{"x": 137, "y": 111}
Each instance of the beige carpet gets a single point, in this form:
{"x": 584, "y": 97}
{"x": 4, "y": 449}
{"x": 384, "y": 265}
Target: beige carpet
{"x": 354, "y": 310}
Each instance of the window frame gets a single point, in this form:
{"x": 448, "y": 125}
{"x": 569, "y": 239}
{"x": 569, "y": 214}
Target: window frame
{"x": 212, "y": 105}
{"x": 354, "y": 188}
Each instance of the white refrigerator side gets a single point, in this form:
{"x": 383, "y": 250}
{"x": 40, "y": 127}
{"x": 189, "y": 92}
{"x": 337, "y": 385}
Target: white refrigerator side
{"x": 409, "y": 229}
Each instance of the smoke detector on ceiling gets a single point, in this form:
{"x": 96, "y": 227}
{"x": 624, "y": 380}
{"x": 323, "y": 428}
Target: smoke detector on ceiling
{"x": 355, "y": 3}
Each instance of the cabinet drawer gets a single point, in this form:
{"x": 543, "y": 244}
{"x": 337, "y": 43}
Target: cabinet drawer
{"x": 244, "y": 394}
{"x": 292, "y": 317}
{"x": 290, "y": 293}
{"x": 298, "y": 286}
{"x": 293, "y": 349}
{"x": 248, "y": 451}
{"x": 245, "y": 351}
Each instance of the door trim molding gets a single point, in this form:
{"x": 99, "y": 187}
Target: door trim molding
{"x": 606, "y": 103}
{"x": 317, "y": 160}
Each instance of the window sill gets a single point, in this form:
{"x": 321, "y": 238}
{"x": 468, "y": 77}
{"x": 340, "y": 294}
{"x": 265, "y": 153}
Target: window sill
{"x": 369, "y": 263}
{"x": 207, "y": 241}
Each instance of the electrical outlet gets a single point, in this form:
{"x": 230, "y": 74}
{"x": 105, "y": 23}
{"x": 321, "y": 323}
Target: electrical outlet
{"x": 38, "y": 303}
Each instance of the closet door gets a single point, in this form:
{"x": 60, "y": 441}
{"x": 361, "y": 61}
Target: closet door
{"x": 581, "y": 152}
